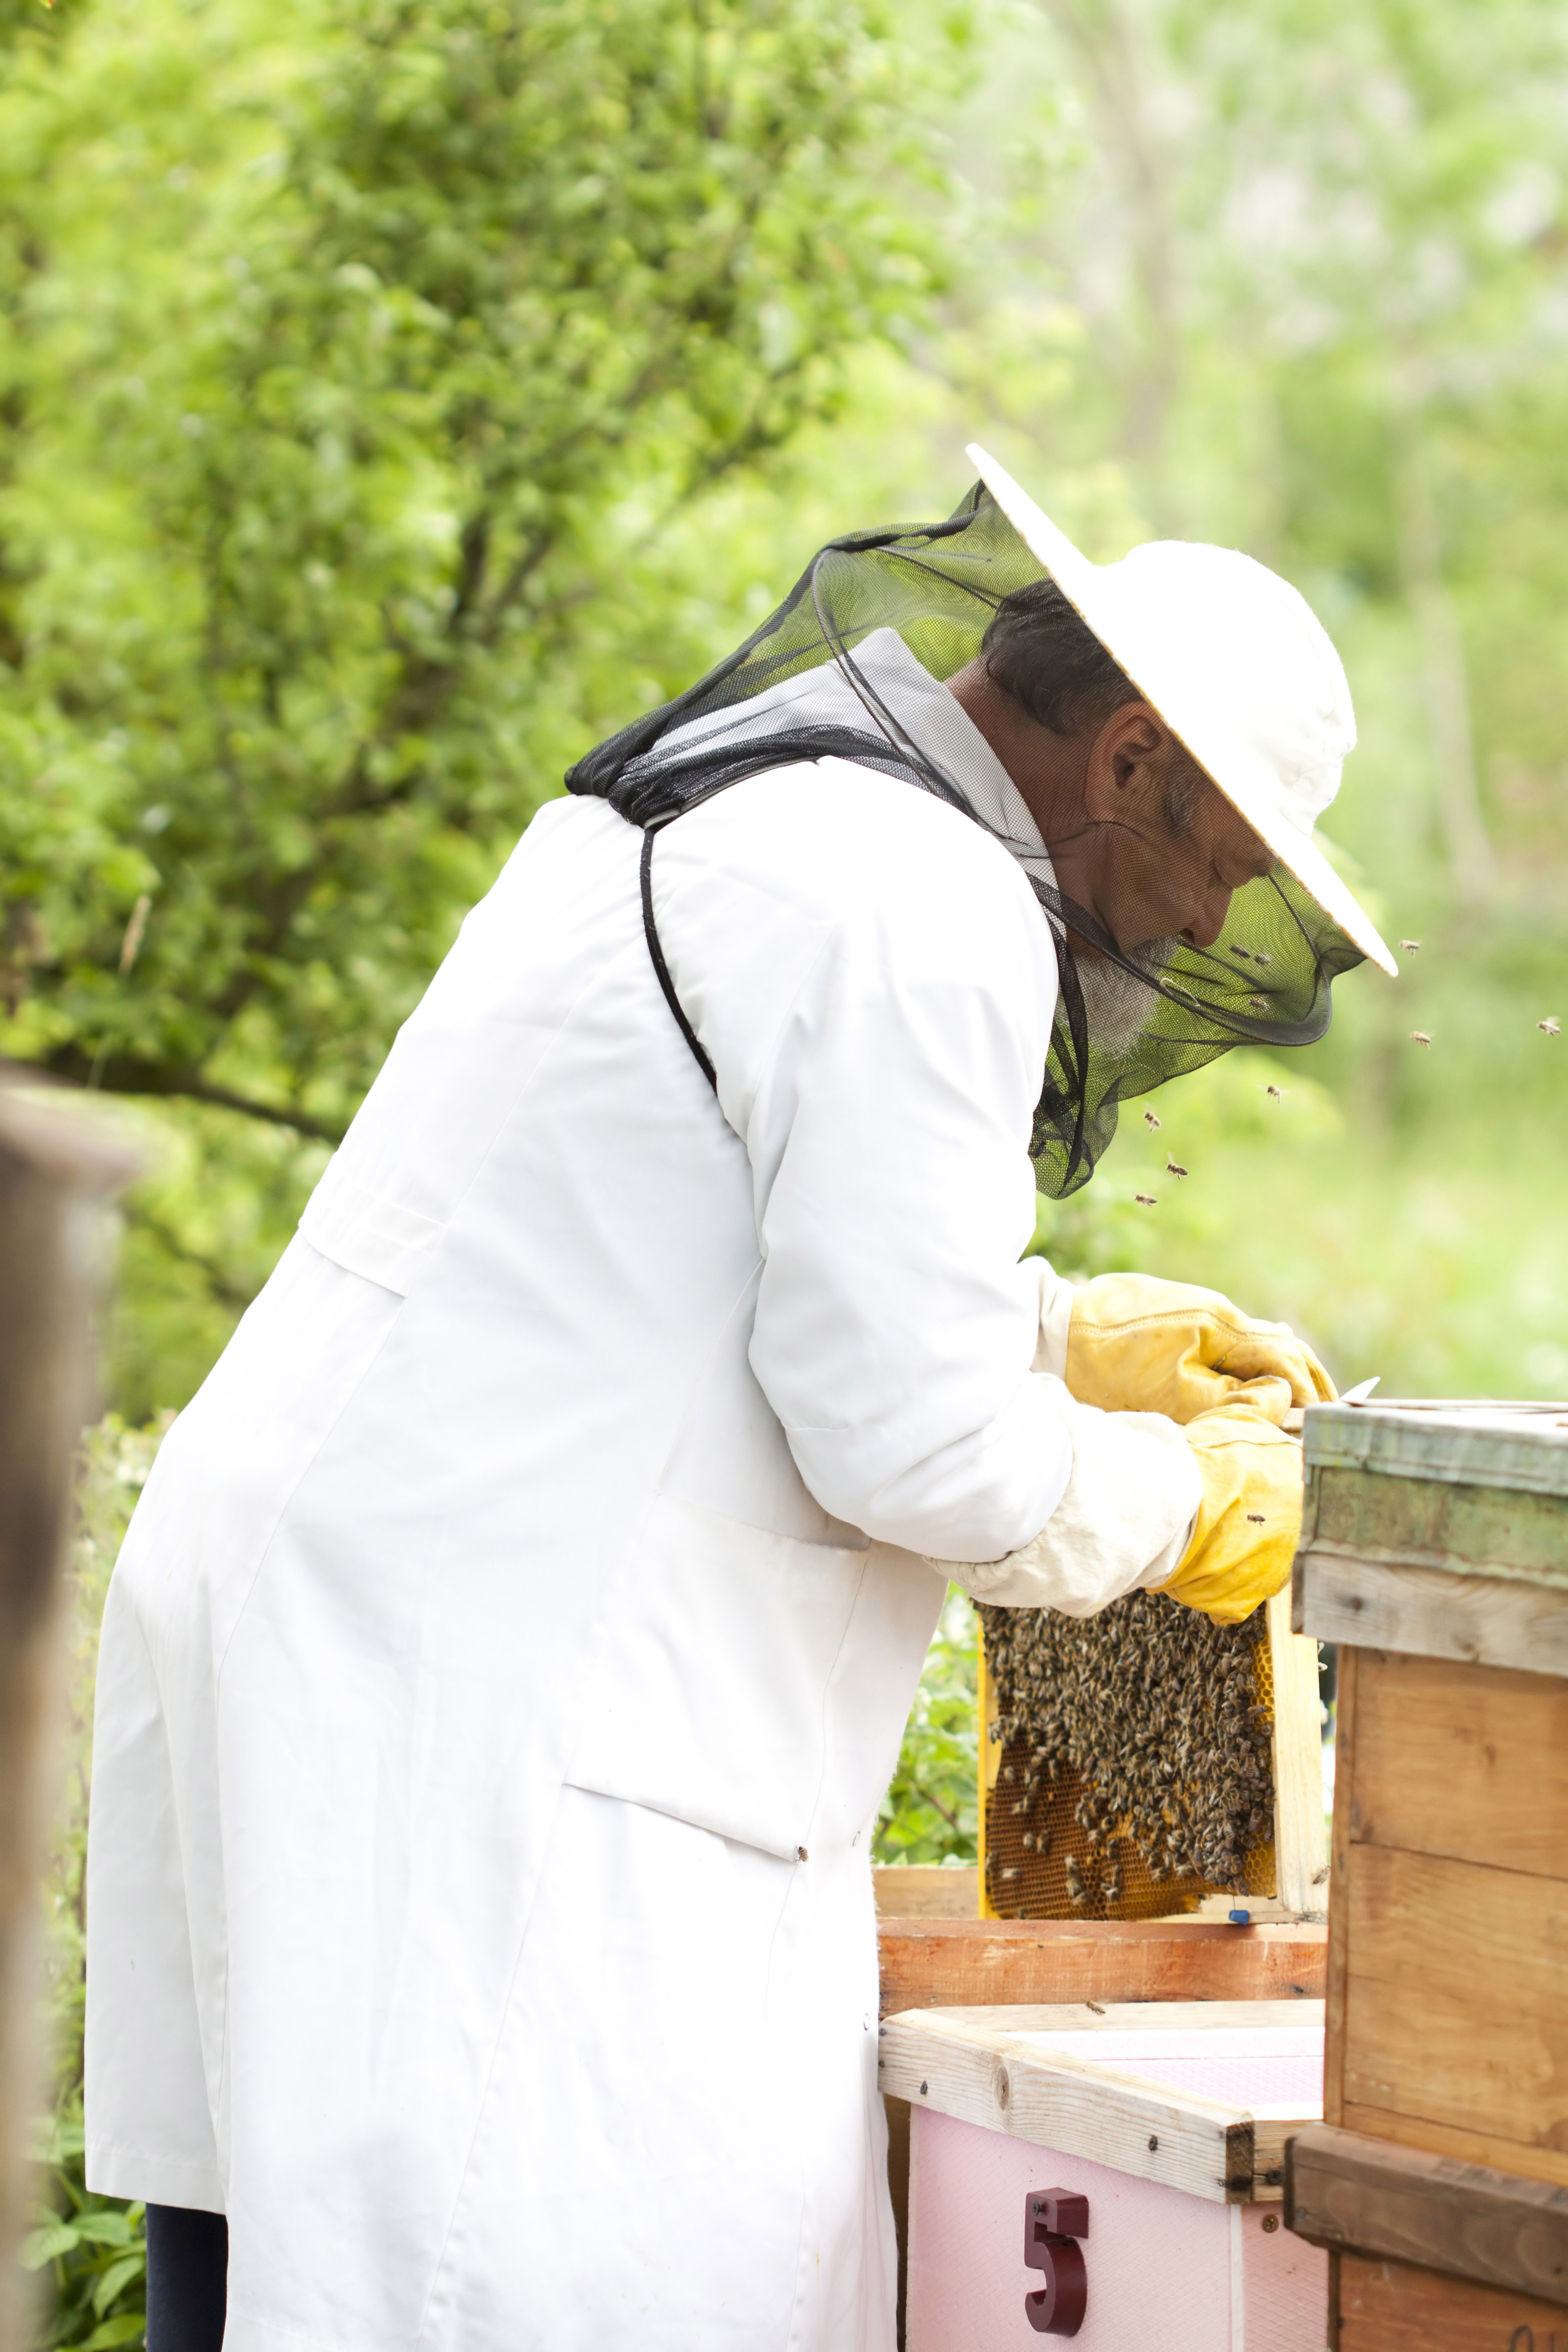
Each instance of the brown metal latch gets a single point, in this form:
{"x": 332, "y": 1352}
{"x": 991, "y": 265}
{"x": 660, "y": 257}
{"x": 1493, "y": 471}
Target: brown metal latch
{"x": 1054, "y": 2220}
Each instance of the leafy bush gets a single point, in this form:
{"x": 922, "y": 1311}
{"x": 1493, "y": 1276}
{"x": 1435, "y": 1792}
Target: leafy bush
{"x": 373, "y": 373}
{"x": 90, "y": 2250}
{"x": 929, "y": 1812}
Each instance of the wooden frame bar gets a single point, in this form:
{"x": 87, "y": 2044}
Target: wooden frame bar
{"x": 933, "y": 1963}
{"x": 1355, "y": 2194}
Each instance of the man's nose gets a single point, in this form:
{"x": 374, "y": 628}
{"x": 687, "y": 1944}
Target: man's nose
{"x": 1207, "y": 924}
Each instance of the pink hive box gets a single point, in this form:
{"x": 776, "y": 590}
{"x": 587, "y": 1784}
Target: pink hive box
{"x": 1169, "y": 2120}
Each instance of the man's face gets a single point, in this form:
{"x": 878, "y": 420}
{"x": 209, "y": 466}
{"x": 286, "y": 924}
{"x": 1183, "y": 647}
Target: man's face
{"x": 1138, "y": 835}
{"x": 1161, "y": 850}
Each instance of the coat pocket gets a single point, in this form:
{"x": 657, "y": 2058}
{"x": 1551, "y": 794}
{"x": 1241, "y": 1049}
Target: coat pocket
{"x": 705, "y": 1693}
{"x": 367, "y": 1234}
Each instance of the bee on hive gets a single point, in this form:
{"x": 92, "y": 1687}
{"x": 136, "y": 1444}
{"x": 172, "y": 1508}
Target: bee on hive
{"x": 1145, "y": 1735}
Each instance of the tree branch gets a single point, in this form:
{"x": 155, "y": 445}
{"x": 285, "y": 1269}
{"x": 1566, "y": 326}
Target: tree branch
{"x": 225, "y": 1289}
{"x": 124, "y": 1074}
{"x": 936, "y": 1804}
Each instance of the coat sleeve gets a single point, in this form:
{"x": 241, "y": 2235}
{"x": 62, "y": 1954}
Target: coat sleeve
{"x": 871, "y": 976}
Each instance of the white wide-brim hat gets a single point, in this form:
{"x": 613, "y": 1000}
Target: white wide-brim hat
{"x": 1239, "y": 667}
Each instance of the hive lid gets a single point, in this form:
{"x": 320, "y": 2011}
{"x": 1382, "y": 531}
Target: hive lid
{"x": 1479, "y": 1443}
{"x": 1124, "y": 2085}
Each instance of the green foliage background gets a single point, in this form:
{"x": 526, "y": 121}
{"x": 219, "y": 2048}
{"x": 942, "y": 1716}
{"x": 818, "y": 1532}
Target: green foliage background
{"x": 397, "y": 394}
{"x": 88, "y": 2251}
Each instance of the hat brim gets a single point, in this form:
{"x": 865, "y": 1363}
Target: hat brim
{"x": 1232, "y": 768}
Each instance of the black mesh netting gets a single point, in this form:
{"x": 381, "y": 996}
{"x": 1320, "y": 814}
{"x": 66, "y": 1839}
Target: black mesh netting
{"x": 1125, "y": 1021}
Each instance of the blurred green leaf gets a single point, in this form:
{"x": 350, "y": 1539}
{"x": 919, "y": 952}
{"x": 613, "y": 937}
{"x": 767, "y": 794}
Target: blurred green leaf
{"x": 44, "y": 2245}
{"x": 117, "y": 2278}
{"x": 128, "y": 2327}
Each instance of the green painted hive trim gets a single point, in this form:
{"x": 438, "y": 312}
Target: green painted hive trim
{"x": 1436, "y": 1523}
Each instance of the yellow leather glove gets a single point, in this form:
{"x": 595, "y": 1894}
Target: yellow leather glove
{"x": 1139, "y": 1344}
{"x": 1249, "y": 1520}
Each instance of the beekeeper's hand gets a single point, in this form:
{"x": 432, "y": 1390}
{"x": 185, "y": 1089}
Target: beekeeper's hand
{"x": 1250, "y": 1517}
{"x": 1139, "y": 1344}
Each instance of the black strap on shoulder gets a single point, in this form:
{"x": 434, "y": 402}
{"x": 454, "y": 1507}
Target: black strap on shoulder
{"x": 650, "y": 932}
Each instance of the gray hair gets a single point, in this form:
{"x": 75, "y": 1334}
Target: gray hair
{"x": 1040, "y": 650}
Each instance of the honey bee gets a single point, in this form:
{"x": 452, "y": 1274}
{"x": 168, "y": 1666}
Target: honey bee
{"x": 1264, "y": 960}
{"x": 1112, "y": 1888}
{"x": 1245, "y": 954}
{"x": 1257, "y": 1521}
{"x": 1174, "y": 1168}
{"x": 1411, "y": 946}
{"x": 1074, "y": 1877}
{"x": 1419, "y": 1037}
{"x": 1258, "y": 1003}
{"x": 1150, "y": 1119}
{"x": 1276, "y": 1094}
{"x": 1147, "y": 1200}
{"x": 1549, "y": 1027}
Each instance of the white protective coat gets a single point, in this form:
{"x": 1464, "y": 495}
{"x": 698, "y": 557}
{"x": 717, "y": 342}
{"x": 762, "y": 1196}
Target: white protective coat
{"x": 513, "y": 1642}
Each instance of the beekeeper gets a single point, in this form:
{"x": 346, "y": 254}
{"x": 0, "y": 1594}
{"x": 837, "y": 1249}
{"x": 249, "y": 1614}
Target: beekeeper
{"x": 506, "y": 1662}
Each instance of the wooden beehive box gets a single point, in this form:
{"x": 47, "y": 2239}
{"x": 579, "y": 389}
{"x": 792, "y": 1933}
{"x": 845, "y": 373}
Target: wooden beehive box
{"x": 1028, "y": 1854}
{"x": 933, "y": 1957}
{"x": 1435, "y": 1549}
{"x": 1168, "y": 2120}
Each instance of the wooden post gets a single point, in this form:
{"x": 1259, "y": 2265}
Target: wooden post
{"x": 56, "y": 1178}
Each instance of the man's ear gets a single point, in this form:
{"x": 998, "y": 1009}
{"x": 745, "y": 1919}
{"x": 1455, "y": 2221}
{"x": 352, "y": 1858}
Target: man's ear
{"x": 1122, "y": 756}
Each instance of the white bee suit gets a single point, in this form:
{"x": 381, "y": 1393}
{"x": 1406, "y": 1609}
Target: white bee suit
{"x": 513, "y": 1642}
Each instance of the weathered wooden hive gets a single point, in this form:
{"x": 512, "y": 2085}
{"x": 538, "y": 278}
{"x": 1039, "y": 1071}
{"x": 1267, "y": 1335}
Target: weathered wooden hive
{"x": 1435, "y": 1549}
{"x": 1135, "y": 1764}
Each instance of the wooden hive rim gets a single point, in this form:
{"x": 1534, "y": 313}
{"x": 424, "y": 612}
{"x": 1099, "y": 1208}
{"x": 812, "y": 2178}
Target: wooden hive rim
{"x": 1516, "y": 1445}
{"x": 974, "y": 2065}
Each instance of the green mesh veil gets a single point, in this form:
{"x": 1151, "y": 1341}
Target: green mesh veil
{"x": 1125, "y": 1021}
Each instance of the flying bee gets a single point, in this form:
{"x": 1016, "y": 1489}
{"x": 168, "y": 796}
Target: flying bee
{"x": 1549, "y": 1027}
{"x": 1147, "y": 1200}
{"x": 1256, "y": 1518}
{"x": 1150, "y": 1119}
{"x": 1411, "y": 946}
{"x": 1419, "y": 1037}
{"x": 1275, "y": 1094}
{"x": 1173, "y": 1168}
